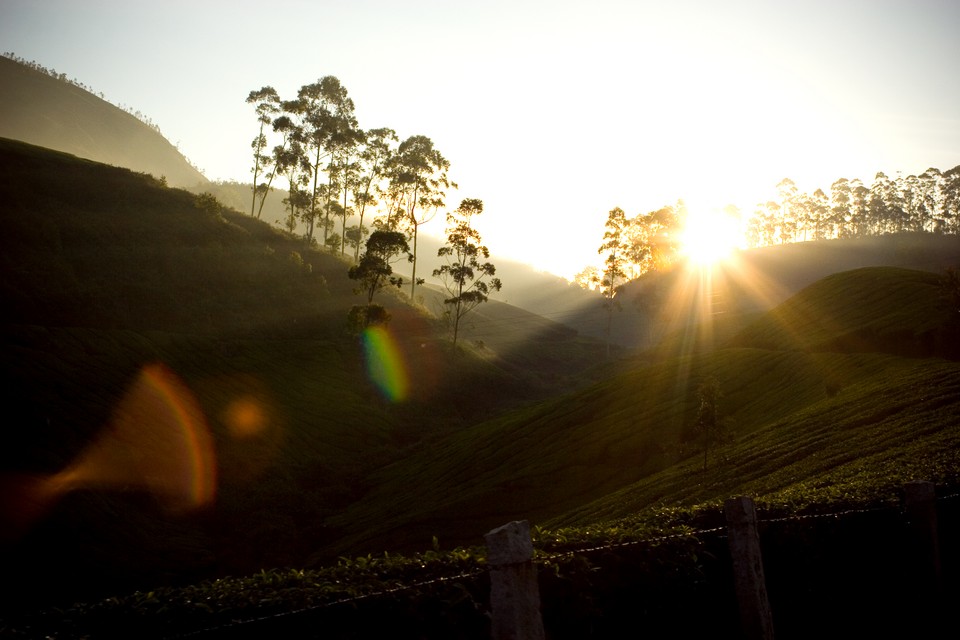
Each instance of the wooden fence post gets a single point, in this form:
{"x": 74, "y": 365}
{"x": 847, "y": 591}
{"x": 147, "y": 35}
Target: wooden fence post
{"x": 514, "y": 592}
{"x": 755, "y": 615}
{"x": 920, "y": 504}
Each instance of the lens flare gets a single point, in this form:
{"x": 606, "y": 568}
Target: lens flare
{"x": 245, "y": 417}
{"x": 385, "y": 364}
{"x": 157, "y": 441}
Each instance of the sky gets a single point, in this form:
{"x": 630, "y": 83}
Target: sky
{"x": 551, "y": 112}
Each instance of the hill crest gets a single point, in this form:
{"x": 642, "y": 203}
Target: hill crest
{"x": 54, "y": 113}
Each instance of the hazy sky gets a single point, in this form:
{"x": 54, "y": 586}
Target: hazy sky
{"x": 551, "y": 112}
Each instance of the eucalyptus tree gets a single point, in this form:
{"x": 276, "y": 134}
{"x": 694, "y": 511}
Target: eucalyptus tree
{"x": 883, "y": 204}
{"x": 326, "y": 114}
{"x": 268, "y": 106}
{"x": 375, "y": 159}
{"x": 931, "y": 200}
{"x": 614, "y": 274}
{"x": 790, "y": 222}
{"x": 841, "y": 206}
{"x": 468, "y": 276}
{"x": 911, "y": 197}
{"x": 951, "y": 200}
{"x": 420, "y": 175}
{"x": 817, "y": 214}
{"x": 859, "y": 201}
{"x": 290, "y": 159}
{"x": 279, "y": 157}
{"x": 345, "y": 142}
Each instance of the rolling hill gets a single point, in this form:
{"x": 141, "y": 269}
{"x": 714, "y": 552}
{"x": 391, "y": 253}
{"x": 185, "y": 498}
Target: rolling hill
{"x": 108, "y": 273}
{"x": 51, "y": 112}
{"x": 118, "y": 290}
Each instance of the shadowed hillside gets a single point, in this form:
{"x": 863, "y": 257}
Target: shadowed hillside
{"x": 115, "y": 286}
{"x": 189, "y": 405}
{"x": 56, "y": 114}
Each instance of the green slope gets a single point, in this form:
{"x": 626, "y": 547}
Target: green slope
{"x": 107, "y": 272}
{"x": 887, "y": 310}
{"x": 806, "y": 426}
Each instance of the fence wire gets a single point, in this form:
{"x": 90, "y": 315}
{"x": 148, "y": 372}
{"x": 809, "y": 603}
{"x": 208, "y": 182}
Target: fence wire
{"x": 540, "y": 560}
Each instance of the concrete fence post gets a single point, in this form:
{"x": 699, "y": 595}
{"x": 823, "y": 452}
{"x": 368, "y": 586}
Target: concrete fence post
{"x": 920, "y": 505}
{"x": 514, "y": 592}
{"x": 755, "y": 616}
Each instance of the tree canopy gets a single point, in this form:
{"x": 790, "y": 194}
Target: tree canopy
{"x": 468, "y": 276}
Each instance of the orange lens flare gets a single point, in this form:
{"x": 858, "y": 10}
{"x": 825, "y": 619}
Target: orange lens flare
{"x": 245, "y": 417}
{"x": 157, "y": 441}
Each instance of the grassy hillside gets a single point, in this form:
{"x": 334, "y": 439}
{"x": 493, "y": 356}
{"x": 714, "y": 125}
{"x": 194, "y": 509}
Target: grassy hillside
{"x": 56, "y": 114}
{"x": 108, "y": 273}
{"x": 548, "y": 300}
{"x": 833, "y": 397}
{"x": 814, "y": 417}
{"x": 852, "y": 311}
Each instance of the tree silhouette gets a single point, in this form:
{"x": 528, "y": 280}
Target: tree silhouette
{"x": 374, "y": 271}
{"x": 468, "y": 280}
{"x": 375, "y": 158}
{"x": 614, "y": 273}
{"x": 419, "y": 174}
{"x": 267, "y": 102}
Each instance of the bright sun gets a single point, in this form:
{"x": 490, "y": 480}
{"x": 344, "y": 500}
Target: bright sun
{"x": 708, "y": 238}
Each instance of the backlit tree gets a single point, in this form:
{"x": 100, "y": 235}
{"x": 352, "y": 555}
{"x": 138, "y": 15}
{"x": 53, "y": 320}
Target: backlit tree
{"x": 468, "y": 276}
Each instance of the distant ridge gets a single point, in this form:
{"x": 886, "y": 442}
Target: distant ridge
{"x": 49, "y": 112}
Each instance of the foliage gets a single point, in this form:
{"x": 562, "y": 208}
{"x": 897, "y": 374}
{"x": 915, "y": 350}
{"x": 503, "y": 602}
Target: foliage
{"x": 928, "y": 202}
{"x": 467, "y": 280}
{"x": 375, "y": 270}
{"x": 367, "y": 315}
{"x": 267, "y": 102}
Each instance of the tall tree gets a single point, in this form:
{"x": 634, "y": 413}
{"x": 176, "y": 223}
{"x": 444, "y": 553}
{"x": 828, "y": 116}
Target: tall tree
{"x": 468, "y": 281}
{"x": 882, "y": 206}
{"x": 859, "y": 201}
{"x": 346, "y": 143}
{"x": 931, "y": 200}
{"x": 817, "y": 214}
{"x": 375, "y": 158}
{"x": 787, "y": 194}
{"x": 267, "y": 106}
{"x": 614, "y": 271}
{"x": 951, "y": 200}
{"x": 420, "y": 175}
{"x": 327, "y": 117}
{"x": 841, "y": 200}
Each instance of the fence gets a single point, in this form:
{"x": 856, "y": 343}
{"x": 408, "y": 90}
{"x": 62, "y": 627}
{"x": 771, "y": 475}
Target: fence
{"x": 516, "y": 579}
{"x": 512, "y": 585}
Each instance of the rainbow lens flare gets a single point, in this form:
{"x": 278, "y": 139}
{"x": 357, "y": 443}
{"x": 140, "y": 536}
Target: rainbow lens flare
{"x": 385, "y": 364}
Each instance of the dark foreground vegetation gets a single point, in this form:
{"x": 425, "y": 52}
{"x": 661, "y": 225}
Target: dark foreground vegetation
{"x": 828, "y": 403}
